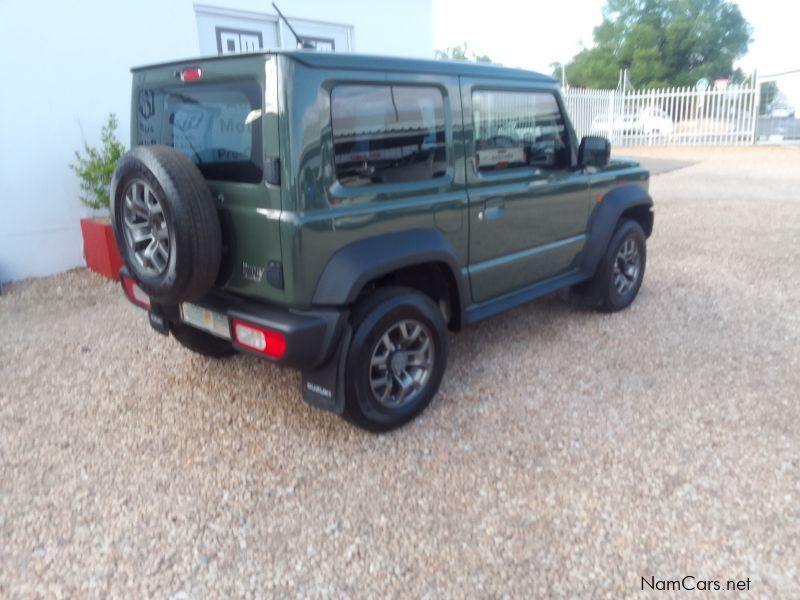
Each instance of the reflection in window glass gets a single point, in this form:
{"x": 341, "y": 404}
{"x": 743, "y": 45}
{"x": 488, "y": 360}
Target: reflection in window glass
{"x": 388, "y": 133}
{"x": 518, "y": 129}
{"x": 218, "y": 126}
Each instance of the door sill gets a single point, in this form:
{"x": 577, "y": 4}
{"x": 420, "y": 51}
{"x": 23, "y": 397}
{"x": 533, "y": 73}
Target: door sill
{"x": 478, "y": 312}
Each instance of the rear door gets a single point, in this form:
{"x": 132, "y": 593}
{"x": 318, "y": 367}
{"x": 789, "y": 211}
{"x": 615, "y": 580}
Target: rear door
{"x": 528, "y": 207}
{"x": 224, "y": 118}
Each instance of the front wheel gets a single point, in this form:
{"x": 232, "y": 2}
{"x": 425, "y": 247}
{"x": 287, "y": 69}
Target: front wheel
{"x": 396, "y": 359}
{"x": 621, "y": 271}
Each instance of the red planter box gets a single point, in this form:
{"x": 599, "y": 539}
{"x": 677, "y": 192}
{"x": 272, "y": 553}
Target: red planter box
{"x": 100, "y": 248}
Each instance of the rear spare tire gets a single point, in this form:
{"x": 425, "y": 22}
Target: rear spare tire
{"x": 166, "y": 224}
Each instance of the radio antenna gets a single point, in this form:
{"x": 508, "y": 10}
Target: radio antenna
{"x": 301, "y": 43}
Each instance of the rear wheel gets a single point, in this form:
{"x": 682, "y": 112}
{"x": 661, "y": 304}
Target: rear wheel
{"x": 200, "y": 341}
{"x": 396, "y": 358}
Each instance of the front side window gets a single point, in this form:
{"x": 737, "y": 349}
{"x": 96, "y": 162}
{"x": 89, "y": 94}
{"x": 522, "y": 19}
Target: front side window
{"x": 388, "y": 134}
{"x": 218, "y": 126}
{"x": 519, "y": 129}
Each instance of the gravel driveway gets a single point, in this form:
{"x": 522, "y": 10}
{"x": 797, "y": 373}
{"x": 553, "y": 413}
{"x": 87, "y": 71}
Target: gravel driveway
{"x": 568, "y": 454}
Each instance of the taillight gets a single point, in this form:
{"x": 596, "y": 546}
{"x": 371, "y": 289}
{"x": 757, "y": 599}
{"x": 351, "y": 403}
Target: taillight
{"x": 134, "y": 293}
{"x": 265, "y": 341}
{"x": 191, "y": 74}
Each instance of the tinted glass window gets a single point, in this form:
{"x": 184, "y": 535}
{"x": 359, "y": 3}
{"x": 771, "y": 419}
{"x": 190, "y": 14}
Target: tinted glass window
{"x": 388, "y": 133}
{"x": 518, "y": 129}
{"x": 218, "y": 126}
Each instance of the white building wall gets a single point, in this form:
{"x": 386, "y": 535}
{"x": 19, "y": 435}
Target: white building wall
{"x": 66, "y": 65}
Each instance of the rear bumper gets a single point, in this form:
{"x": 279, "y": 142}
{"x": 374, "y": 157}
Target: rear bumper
{"x": 311, "y": 336}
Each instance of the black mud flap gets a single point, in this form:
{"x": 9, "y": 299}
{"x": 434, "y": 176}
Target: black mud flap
{"x": 324, "y": 387}
{"x": 157, "y": 320}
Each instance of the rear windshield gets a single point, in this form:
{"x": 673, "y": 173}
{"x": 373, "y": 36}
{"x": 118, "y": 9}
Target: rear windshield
{"x": 218, "y": 126}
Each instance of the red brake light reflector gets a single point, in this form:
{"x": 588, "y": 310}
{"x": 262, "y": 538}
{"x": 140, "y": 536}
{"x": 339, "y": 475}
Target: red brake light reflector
{"x": 265, "y": 341}
{"x": 191, "y": 74}
{"x": 134, "y": 293}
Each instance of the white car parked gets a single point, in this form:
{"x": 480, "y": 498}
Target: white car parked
{"x": 781, "y": 110}
{"x": 649, "y": 121}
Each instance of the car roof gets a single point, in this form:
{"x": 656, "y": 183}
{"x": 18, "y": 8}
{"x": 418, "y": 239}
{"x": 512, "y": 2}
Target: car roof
{"x": 334, "y": 60}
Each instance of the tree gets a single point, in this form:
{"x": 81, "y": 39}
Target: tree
{"x": 461, "y": 52}
{"x": 662, "y": 43}
{"x": 768, "y": 94}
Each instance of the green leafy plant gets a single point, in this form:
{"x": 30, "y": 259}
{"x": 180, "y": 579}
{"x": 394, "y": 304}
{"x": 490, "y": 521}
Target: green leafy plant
{"x": 96, "y": 165}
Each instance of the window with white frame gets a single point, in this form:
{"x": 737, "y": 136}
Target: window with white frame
{"x": 227, "y": 31}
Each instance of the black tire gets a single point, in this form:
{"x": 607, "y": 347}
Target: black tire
{"x": 372, "y": 317}
{"x": 187, "y": 219}
{"x": 608, "y": 297}
{"x": 201, "y": 342}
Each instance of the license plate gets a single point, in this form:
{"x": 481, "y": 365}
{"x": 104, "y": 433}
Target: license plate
{"x": 207, "y": 320}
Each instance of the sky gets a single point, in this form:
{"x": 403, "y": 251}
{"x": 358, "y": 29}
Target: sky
{"x": 532, "y": 34}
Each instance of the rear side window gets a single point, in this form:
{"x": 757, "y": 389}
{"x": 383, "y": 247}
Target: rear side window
{"x": 519, "y": 129}
{"x": 218, "y": 126}
{"x": 388, "y": 133}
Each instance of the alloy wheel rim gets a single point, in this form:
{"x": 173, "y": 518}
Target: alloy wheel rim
{"x": 146, "y": 229}
{"x": 627, "y": 265}
{"x": 401, "y": 363}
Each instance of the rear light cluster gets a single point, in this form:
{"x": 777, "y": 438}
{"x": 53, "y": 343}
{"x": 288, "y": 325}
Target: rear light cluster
{"x": 191, "y": 74}
{"x": 134, "y": 293}
{"x": 264, "y": 341}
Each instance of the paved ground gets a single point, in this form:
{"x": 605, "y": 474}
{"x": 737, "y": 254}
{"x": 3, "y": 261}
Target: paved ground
{"x": 658, "y": 165}
{"x": 569, "y": 453}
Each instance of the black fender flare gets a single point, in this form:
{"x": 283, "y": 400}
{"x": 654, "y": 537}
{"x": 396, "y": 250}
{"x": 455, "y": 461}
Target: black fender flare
{"x": 604, "y": 219}
{"x": 358, "y": 263}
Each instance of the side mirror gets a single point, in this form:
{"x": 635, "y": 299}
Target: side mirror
{"x": 594, "y": 151}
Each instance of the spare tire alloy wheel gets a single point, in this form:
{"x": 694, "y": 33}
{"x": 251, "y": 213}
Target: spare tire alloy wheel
{"x": 145, "y": 228}
{"x": 166, "y": 224}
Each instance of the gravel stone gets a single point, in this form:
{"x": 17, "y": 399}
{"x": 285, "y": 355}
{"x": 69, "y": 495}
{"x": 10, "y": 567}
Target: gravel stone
{"x": 569, "y": 453}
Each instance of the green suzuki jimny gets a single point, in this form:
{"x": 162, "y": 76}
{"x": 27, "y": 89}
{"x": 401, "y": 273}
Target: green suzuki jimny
{"x": 339, "y": 213}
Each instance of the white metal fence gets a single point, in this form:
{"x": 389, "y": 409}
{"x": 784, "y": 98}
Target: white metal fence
{"x": 665, "y": 116}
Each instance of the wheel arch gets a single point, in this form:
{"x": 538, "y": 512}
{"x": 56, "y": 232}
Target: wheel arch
{"x": 422, "y": 259}
{"x": 625, "y": 202}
